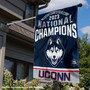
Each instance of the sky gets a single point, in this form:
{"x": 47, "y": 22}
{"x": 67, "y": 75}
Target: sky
{"x": 83, "y": 13}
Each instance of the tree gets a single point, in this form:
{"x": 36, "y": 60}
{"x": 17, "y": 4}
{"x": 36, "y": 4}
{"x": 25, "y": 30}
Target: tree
{"x": 84, "y": 62}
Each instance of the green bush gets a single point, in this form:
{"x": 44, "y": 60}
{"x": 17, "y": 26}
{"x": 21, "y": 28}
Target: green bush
{"x": 8, "y": 81}
{"x": 7, "y": 78}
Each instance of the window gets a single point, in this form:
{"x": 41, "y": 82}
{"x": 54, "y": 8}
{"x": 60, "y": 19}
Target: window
{"x": 29, "y": 12}
{"x": 2, "y": 24}
{"x": 9, "y": 65}
{"x": 19, "y": 69}
{"x": 30, "y": 72}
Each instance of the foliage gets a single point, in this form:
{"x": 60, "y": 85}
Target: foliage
{"x": 59, "y": 85}
{"x": 8, "y": 78}
{"x": 56, "y": 86}
{"x": 84, "y": 61}
{"x": 8, "y": 81}
{"x": 84, "y": 47}
{"x": 35, "y": 82}
{"x": 20, "y": 83}
{"x": 46, "y": 87}
{"x": 28, "y": 84}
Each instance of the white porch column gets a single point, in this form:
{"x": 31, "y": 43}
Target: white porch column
{"x": 3, "y": 33}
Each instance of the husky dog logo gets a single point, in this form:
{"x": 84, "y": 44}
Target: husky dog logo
{"x": 54, "y": 51}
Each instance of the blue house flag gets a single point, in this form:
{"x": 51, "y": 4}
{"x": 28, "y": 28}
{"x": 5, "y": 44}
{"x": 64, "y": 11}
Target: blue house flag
{"x": 56, "y": 46}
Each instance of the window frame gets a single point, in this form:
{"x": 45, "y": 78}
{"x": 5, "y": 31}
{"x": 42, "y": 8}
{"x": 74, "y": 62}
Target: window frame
{"x": 16, "y": 61}
{"x": 24, "y": 15}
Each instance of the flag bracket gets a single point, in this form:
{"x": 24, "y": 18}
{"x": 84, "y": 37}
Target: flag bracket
{"x": 79, "y": 5}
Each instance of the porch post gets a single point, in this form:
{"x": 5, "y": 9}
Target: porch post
{"x": 3, "y": 33}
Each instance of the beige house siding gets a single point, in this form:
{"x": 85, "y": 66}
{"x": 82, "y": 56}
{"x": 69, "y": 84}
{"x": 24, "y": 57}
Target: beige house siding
{"x": 25, "y": 31}
{"x": 19, "y": 50}
{"x": 14, "y": 7}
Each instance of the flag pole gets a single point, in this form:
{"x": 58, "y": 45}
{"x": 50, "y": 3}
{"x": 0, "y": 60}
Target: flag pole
{"x": 20, "y": 20}
{"x": 79, "y": 5}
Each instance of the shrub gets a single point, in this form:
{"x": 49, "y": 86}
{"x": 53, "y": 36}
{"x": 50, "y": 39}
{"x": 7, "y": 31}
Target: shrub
{"x": 7, "y": 78}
